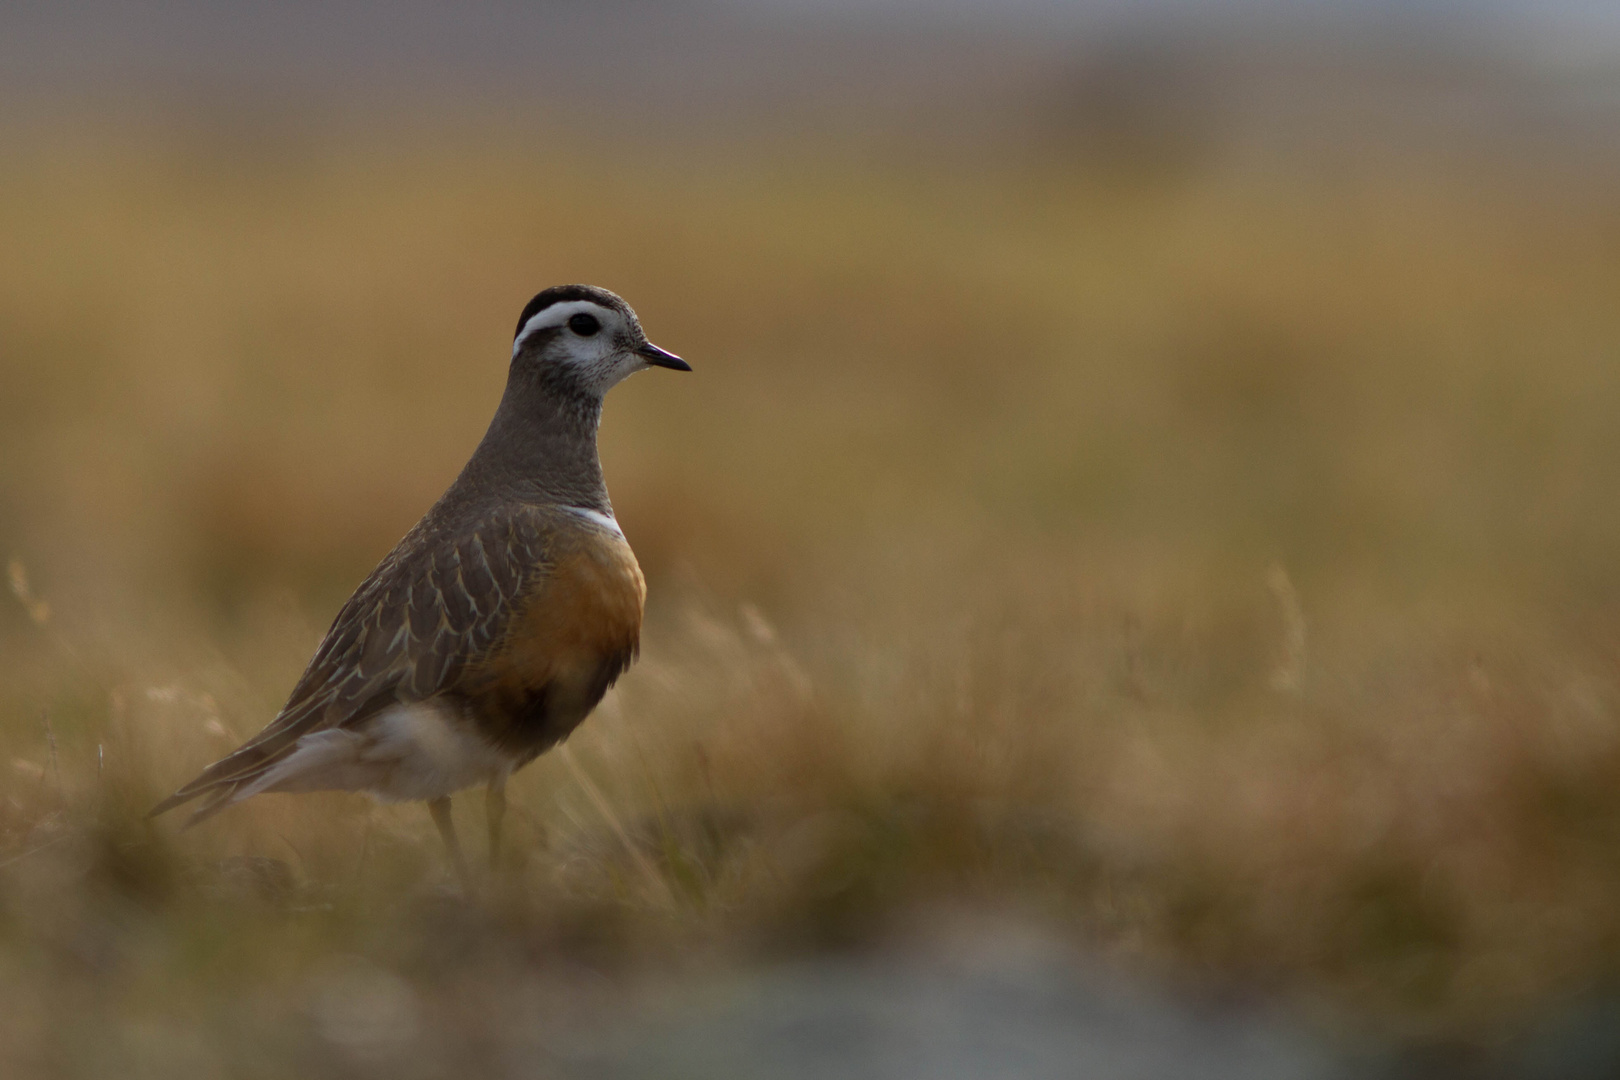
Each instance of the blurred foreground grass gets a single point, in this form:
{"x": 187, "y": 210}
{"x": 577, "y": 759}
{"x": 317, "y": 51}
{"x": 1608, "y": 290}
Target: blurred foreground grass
{"x": 1220, "y": 569}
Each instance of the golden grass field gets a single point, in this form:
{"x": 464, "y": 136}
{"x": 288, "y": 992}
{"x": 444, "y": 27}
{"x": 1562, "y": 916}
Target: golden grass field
{"x": 1221, "y": 568}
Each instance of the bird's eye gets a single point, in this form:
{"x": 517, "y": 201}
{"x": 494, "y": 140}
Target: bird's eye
{"x": 584, "y": 325}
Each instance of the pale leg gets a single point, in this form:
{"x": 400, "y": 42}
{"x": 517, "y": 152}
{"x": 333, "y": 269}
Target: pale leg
{"x": 495, "y": 811}
{"x": 440, "y": 809}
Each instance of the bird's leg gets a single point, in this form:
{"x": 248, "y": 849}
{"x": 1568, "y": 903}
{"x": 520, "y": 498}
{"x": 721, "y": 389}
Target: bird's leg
{"x": 495, "y": 811}
{"x": 440, "y": 809}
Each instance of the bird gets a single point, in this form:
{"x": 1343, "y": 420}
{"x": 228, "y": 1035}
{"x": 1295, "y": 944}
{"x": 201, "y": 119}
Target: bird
{"x": 490, "y": 632}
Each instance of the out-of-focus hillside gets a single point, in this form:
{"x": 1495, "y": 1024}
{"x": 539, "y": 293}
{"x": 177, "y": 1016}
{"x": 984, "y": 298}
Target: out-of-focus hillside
{"x": 1324, "y": 83}
{"x": 1201, "y": 548}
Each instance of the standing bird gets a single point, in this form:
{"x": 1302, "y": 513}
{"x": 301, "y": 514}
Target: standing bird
{"x": 496, "y": 625}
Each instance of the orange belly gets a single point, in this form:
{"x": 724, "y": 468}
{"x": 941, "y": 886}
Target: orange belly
{"x": 575, "y": 634}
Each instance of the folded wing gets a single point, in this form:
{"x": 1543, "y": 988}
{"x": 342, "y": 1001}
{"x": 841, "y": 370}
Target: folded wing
{"x": 442, "y": 598}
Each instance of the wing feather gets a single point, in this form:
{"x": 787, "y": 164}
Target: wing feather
{"x": 439, "y": 600}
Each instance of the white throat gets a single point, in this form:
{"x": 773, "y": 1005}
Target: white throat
{"x": 596, "y": 517}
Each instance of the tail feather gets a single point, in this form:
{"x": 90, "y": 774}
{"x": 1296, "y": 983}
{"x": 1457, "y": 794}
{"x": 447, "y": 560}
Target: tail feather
{"x": 179, "y": 798}
{"x": 325, "y": 760}
{"x": 217, "y": 793}
{"x": 226, "y": 774}
{"x": 218, "y": 799}
{"x": 240, "y": 766}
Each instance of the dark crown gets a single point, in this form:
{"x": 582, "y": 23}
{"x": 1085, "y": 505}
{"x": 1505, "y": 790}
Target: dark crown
{"x": 558, "y": 294}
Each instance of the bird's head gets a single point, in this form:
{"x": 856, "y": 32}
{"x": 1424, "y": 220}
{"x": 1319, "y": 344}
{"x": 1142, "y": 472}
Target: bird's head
{"x": 584, "y": 340}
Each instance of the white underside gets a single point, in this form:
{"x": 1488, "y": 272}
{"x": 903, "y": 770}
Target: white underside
{"x": 405, "y": 753}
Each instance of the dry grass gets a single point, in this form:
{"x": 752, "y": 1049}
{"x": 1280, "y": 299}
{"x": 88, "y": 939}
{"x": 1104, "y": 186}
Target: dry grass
{"x": 1222, "y": 570}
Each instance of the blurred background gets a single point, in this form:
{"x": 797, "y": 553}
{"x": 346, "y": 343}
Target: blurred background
{"x": 1133, "y": 579}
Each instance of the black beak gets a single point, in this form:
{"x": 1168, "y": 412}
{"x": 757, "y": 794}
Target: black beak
{"x": 659, "y": 358}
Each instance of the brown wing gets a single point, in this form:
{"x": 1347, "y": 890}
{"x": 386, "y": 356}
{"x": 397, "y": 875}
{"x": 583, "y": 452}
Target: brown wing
{"x": 441, "y": 599}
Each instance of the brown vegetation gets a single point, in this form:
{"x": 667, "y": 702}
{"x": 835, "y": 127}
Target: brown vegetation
{"x": 1222, "y": 569}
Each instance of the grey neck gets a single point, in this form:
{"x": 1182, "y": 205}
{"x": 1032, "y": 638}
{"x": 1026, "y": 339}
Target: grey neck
{"x": 541, "y": 446}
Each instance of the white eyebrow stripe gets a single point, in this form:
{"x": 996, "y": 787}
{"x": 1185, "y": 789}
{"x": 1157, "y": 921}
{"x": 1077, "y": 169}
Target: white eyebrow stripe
{"x": 596, "y": 517}
{"x": 556, "y": 315}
